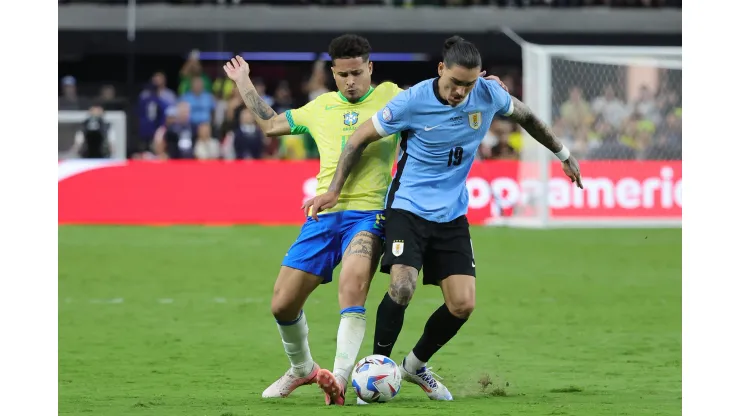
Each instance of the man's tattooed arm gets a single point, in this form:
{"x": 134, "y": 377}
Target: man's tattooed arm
{"x": 356, "y": 144}
{"x": 537, "y": 128}
{"x": 349, "y": 158}
{"x": 266, "y": 118}
{"x": 258, "y": 106}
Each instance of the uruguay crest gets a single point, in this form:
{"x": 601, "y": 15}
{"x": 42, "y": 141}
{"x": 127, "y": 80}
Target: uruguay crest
{"x": 397, "y": 248}
{"x": 475, "y": 120}
{"x": 350, "y": 118}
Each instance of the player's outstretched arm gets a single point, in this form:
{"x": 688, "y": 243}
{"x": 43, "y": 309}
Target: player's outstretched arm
{"x": 358, "y": 141}
{"x": 267, "y": 119}
{"x": 536, "y": 128}
{"x": 541, "y": 132}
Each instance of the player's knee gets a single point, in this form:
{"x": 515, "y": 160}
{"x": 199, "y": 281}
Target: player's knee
{"x": 403, "y": 284}
{"x": 283, "y": 309}
{"x": 353, "y": 287}
{"x": 401, "y": 292}
{"x": 461, "y": 308}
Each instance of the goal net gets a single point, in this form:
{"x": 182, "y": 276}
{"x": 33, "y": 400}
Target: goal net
{"x": 618, "y": 109}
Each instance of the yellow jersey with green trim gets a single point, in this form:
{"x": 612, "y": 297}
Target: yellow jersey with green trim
{"x": 331, "y": 120}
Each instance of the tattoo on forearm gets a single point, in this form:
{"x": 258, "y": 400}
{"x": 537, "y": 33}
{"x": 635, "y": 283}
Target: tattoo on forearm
{"x": 258, "y": 106}
{"x": 349, "y": 158}
{"x": 535, "y": 126}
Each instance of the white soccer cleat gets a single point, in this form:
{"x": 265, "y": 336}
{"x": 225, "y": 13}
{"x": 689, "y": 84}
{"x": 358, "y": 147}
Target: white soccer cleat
{"x": 289, "y": 382}
{"x": 428, "y": 382}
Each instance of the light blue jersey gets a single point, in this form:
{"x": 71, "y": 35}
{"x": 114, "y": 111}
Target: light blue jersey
{"x": 438, "y": 145}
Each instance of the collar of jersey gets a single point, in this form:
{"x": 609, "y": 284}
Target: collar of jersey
{"x": 435, "y": 89}
{"x": 370, "y": 91}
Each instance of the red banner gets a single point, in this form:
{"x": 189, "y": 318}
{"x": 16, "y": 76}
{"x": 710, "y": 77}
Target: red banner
{"x": 271, "y": 192}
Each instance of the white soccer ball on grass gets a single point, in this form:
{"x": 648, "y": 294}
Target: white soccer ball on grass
{"x": 376, "y": 378}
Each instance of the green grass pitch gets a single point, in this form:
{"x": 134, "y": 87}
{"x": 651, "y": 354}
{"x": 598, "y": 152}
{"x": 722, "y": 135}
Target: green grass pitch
{"x": 176, "y": 321}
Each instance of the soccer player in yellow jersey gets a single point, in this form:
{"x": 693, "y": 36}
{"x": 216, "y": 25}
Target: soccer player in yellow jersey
{"x": 350, "y": 232}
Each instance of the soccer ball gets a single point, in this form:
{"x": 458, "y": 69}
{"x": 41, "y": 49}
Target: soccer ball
{"x": 376, "y": 378}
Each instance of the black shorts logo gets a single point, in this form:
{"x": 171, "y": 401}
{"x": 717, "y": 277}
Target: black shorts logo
{"x": 397, "y": 248}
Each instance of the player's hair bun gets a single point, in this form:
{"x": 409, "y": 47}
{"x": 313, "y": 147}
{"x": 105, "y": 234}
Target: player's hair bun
{"x": 451, "y": 41}
{"x": 458, "y": 51}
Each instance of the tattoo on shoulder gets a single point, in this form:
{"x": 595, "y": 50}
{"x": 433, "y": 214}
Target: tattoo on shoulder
{"x": 521, "y": 111}
{"x": 255, "y": 103}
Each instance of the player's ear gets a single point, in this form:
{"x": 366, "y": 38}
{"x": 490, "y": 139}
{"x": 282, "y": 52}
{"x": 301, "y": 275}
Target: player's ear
{"x": 440, "y": 68}
{"x": 370, "y": 67}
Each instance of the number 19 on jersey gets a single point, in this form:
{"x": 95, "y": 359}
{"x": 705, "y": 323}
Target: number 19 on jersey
{"x": 455, "y": 157}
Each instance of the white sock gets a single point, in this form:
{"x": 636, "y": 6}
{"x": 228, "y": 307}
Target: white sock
{"x": 349, "y": 339}
{"x": 295, "y": 342}
{"x": 412, "y": 364}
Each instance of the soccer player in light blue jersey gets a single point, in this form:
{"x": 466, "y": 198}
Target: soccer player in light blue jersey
{"x": 442, "y": 122}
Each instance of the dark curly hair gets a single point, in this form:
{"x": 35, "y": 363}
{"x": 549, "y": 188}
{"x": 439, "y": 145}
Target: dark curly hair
{"x": 349, "y": 46}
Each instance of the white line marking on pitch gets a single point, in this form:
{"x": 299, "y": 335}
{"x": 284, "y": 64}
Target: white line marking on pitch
{"x": 250, "y": 300}
{"x": 221, "y": 300}
{"x": 114, "y": 300}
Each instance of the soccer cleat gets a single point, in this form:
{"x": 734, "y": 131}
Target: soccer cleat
{"x": 289, "y": 382}
{"x": 332, "y": 387}
{"x": 428, "y": 382}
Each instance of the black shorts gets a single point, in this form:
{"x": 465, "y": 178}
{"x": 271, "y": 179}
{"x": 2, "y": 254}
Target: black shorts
{"x": 441, "y": 249}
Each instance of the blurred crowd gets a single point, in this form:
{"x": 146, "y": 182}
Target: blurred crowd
{"x": 71, "y": 99}
{"x": 604, "y": 126}
{"x": 607, "y": 127}
{"x": 412, "y": 3}
{"x": 204, "y": 117}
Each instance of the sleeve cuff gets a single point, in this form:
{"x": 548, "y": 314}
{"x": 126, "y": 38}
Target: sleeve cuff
{"x": 289, "y": 116}
{"x": 510, "y": 110}
{"x": 378, "y": 127}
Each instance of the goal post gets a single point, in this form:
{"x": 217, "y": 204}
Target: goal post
{"x": 618, "y": 111}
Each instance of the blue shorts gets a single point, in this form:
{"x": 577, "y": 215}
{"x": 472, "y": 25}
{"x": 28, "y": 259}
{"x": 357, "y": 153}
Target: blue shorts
{"x": 321, "y": 244}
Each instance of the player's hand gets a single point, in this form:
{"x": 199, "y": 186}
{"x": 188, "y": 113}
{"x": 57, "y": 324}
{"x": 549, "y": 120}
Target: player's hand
{"x": 320, "y": 203}
{"x": 237, "y": 69}
{"x": 573, "y": 170}
{"x": 495, "y": 78}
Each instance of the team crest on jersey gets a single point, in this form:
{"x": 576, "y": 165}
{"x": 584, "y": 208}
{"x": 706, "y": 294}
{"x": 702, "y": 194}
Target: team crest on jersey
{"x": 475, "y": 120}
{"x": 350, "y": 118}
{"x": 397, "y": 248}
